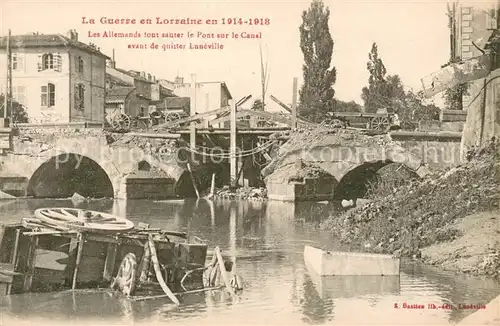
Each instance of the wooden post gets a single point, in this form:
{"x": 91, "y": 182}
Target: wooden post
{"x": 109, "y": 264}
{"x": 193, "y": 181}
{"x": 207, "y": 108}
{"x": 232, "y": 146}
{"x": 294, "y": 104}
{"x": 223, "y": 271}
{"x": 192, "y": 135}
{"x": 212, "y": 186}
{"x": 79, "y": 253}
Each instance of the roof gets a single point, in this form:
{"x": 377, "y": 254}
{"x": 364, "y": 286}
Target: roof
{"x": 118, "y": 94}
{"x": 49, "y": 40}
{"x": 135, "y": 75}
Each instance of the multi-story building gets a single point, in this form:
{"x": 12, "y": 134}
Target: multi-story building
{"x": 471, "y": 24}
{"x": 56, "y": 77}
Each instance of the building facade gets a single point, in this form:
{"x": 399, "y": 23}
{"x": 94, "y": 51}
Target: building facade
{"x": 56, "y": 77}
{"x": 471, "y": 24}
{"x": 209, "y": 96}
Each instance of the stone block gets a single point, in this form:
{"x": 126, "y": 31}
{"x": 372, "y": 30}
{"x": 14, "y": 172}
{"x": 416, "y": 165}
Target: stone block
{"x": 465, "y": 10}
{"x": 466, "y": 23}
{"x": 465, "y": 48}
{"x": 465, "y": 36}
{"x": 330, "y": 263}
{"x": 466, "y": 42}
{"x": 467, "y": 29}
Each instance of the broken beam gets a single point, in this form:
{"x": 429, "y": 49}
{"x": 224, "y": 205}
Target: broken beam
{"x": 456, "y": 74}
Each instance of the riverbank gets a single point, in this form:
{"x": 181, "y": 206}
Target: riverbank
{"x": 449, "y": 219}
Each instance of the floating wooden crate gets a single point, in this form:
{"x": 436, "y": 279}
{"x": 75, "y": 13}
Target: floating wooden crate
{"x": 329, "y": 263}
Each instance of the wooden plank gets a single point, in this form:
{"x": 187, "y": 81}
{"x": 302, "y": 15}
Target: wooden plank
{"x": 157, "y": 269}
{"x": 81, "y": 241}
{"x": 14, "y": 256}
{"x": 109, "y": 265}
{"x": 456, "y": 74}
{"x": 171, "y": 124}
{"x": 30, "y": 264}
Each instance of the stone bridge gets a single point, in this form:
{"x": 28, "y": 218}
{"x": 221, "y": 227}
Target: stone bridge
{"x": 58, "y": 164}
{"x": 346, "y": 161}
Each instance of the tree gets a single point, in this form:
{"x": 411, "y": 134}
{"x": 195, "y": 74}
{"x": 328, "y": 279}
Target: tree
{"x": 316, "y": 94}
{"x": 19, "y": 114}
{"x": 378, "y": 93}
{"x": 257, "y": 105}
{"x": 453, "y": 97}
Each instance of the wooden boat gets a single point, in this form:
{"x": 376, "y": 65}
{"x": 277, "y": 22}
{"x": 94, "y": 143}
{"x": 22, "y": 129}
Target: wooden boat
{"x": 330, "y": 263}
{"x": 68, "y": 248}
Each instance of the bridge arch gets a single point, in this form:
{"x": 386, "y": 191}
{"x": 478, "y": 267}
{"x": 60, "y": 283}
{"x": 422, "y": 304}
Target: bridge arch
{"x": 64, "y": 174}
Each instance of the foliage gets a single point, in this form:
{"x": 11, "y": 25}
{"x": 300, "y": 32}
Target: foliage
{"x": 387, "y": 91}
{"x": 453, "y": 97}
{"x": 19, "y": 111}
{"x": 316, "y": 43}
{"x": 410, "y": 106}
{"x": 341, "y": 106}
{"x": 377, "y": 94}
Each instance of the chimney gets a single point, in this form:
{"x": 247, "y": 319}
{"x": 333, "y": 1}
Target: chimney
{"x": 143, "y": 74}
{"x": 179, "y": 80}
{"x": 112, "y": 62}
{"x": 73, "y": 35}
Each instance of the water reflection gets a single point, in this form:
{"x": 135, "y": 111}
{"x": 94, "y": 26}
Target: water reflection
{"x": 267, "y": 243}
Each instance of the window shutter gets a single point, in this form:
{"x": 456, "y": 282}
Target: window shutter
{"x": 40, "y": 62}
{"x": 55, "y": 57}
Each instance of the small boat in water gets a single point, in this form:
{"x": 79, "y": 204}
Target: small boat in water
{"x": 69, "y": 248}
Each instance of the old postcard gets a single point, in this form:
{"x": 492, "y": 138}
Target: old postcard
{"x": 249, "y": 162}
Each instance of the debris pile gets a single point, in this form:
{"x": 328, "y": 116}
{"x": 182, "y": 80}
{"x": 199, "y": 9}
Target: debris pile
{"x": 422, "y": 213}
{"x": 258, "y": 194}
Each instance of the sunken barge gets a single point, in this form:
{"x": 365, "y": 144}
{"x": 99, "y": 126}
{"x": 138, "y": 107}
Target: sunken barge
{"x": 67, "y": 249}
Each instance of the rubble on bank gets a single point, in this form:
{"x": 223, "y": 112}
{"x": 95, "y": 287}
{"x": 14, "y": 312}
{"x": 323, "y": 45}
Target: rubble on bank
{"x": 245, "y": 193}
{"x": 422, "y": 213}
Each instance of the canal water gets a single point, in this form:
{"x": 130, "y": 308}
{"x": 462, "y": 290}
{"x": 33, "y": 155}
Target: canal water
{"x": 267, "y": 240}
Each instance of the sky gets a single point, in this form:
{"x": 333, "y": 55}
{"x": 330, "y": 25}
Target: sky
{"x": 412, "y": 38}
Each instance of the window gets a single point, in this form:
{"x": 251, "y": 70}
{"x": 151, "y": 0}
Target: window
{"x": 17, "y": 62}
{"x": 79, "y": 64}
{"x": 491, "y": 18}
{"x": 79, "y": 97}
{"x": 19, "y": 94}
{"x": 48, "y": 95}
{"x": 50, "y": 61}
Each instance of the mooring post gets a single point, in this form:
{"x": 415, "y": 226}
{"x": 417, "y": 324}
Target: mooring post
{"x": 294, "y": 104}
{"x": 232, "y": 148}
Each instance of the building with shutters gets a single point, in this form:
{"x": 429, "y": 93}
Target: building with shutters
{"x": 56, "y": 77}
